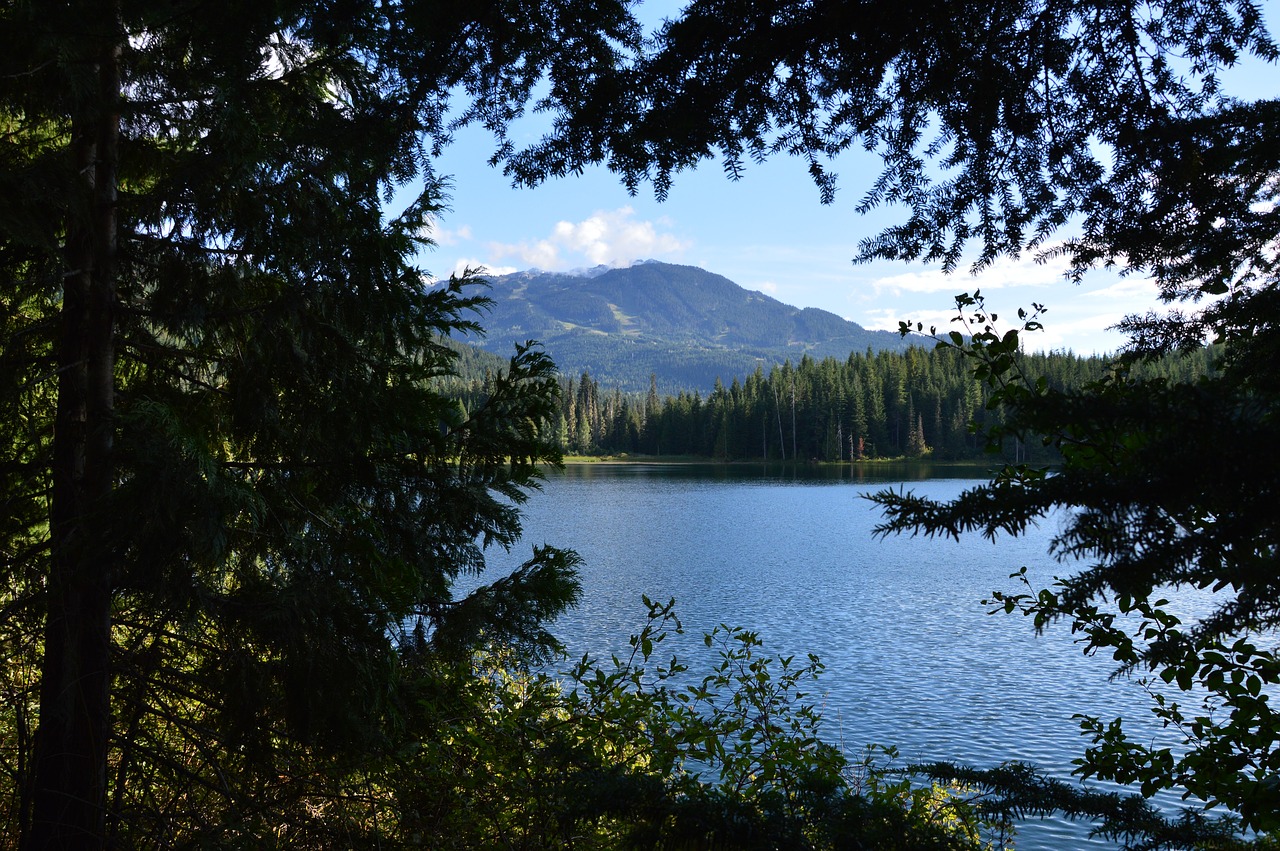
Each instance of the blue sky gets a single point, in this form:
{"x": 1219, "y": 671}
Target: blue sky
{"x": 768, "y": 232}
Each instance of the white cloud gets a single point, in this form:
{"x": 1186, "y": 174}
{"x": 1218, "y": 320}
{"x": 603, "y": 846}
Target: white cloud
{"x": 887, "y": 319}
{"x": 1005, "y": 272}
{"x": 480, "y": 266}
{"x": 538, "y": 255}
{"x": 611, "y": 238}
{"x": 1078, "y": 317}
{"x": 768, "y": 287}
{"x": 1083, "y": 331}
{"x": 930, "y": 281}
{"x": 446, "y": 237}
{"x": 1138, "y": 290}
{"x": 1086, "y": 335}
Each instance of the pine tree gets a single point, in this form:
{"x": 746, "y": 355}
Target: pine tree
{"x": 916, "y": 446}
{"x": 237, "y": 493}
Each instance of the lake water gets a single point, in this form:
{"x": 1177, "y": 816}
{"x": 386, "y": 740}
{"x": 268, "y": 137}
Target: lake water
{"x": 912, "y": 657}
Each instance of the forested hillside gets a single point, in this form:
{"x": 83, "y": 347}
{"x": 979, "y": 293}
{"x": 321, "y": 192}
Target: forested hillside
{"x": 870, "y": 405}
{"x": 682, "y": 325}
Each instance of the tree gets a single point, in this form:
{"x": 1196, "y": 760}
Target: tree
{"x": 1095, "y": 133}
{"x": 1038, "y": 113}
{"x": 232, "y": 487}
{"x": 1159, "y": 503}
{"x": 916, "y": 446}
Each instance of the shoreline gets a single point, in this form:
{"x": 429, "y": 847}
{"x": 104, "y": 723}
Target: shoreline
{"x": 676, "y": 460}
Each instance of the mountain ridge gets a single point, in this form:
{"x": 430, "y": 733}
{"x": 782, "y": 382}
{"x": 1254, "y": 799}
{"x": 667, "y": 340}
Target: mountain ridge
{"x": 683, "y": 324}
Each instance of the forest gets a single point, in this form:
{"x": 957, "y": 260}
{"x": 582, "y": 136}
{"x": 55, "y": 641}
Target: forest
{"x": 873, "y": 405}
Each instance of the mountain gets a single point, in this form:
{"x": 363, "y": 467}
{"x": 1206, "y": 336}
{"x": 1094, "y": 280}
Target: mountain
{"x": 683, "y": 324}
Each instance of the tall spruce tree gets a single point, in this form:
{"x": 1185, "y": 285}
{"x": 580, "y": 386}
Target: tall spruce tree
{"x": 233, "y": 493}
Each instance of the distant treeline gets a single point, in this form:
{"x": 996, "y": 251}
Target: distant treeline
{"x": 872, "y": 405}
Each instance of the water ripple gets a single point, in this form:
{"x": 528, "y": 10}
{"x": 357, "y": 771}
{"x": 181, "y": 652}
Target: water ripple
{"x": 912, "y": 657}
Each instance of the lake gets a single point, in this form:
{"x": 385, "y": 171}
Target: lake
{"x": 912, "y": 657}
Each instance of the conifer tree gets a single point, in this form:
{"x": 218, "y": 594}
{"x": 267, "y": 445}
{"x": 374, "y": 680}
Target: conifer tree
{"x": 233, "y": 490}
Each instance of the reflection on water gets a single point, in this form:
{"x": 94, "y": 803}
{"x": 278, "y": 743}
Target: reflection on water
{"x": 871, "y": 473}
{"x": 912, "y": 657}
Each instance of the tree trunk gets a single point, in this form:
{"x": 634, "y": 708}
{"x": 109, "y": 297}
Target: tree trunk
{"x": 68, "y": 794}
{"x": 794, "y": 455}
{"x": 782, "y": 441}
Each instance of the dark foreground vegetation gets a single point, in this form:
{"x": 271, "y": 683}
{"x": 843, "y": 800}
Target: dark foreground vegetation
{"x": 236, "y": 496}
